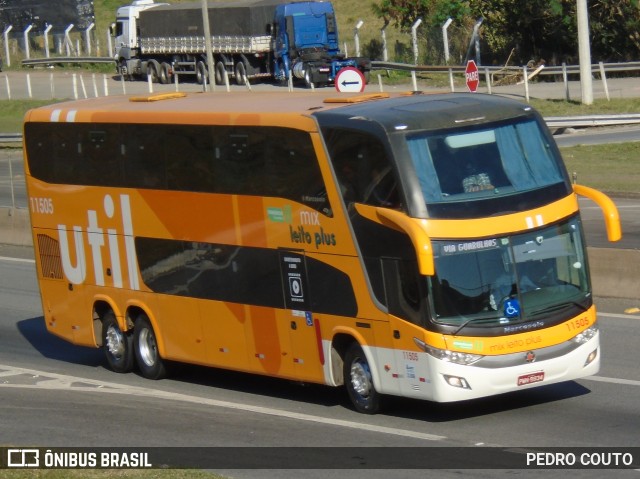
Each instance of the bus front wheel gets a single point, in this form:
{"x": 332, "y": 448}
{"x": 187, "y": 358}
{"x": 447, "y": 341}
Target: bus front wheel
{"x": 150, "y": 364}
{"x": 359, "y": 383}
{"x": 118, "y": 345}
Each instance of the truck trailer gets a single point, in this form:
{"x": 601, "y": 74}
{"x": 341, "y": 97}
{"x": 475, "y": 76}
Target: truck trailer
{"x": 250, "y": 39}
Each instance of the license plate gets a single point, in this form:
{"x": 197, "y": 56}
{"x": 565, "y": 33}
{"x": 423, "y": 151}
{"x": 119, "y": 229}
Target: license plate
{"x": 530, "y": 378}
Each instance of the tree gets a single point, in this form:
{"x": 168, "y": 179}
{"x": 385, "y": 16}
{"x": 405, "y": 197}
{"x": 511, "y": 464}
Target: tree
{"x": 536, "y": 29}
{"x": 532, "y": 29}
{"x": 615, "y": 30}
{"x": 404, "y": 13}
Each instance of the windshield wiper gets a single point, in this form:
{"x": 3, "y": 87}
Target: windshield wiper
{"x": 473, "y": 320}
{"x": 557, "y": 307}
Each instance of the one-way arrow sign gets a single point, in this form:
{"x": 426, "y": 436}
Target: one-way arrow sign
{"x": 350, "y": 79}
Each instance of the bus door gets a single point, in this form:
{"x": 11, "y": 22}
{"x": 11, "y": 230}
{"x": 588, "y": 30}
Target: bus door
{"x": 304, "y": 328}
{"x": 405, "y": 296}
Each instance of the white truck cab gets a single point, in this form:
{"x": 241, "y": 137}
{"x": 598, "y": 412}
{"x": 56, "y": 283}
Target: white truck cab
{"x": 126, "y": 25}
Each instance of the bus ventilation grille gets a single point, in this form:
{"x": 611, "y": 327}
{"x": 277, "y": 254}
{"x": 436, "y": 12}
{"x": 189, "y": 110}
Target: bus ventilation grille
{"x": 50, "y": 260}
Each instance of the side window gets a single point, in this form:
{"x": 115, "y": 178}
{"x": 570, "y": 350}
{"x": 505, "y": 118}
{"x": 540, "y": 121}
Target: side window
{"x": 256, "y": 161}
{"x": 405, "y": 293}
{"x": 363, "y": 170}
{"x": 98, "y": 152}
{"x": 291, "y": 170}
{"x": 143, "y": 153}
{"x": 190, "y": 158}
{"x": 277, "y": 162}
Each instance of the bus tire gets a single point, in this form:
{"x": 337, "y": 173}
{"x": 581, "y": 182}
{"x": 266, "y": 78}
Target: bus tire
{"x": 150, "y": 364}
{"x": 117, "y": 344}
{"x": 359, "y": 383}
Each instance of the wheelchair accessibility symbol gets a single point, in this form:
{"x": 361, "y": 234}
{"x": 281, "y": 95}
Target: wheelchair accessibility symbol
{"x": 511, "y": 308}
{"x": 295, "y": 288}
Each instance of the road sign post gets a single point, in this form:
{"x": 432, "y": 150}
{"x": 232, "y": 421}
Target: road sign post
{"x": 350, "y": 79}
{"x": 472, "y": 76}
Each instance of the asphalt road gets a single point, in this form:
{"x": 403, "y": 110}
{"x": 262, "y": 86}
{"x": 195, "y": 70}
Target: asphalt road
{"x": 593, "y": 221}
{"x": 55, "y": 394}
{"x": 599, "y": 136}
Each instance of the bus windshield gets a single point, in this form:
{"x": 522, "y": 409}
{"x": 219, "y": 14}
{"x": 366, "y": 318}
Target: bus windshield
{"x": 510, "y": 279}
{"x": 484, "y": 162}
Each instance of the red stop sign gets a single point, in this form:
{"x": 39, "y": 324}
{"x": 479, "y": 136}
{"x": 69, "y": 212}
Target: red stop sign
{"x": 472, "y": 77}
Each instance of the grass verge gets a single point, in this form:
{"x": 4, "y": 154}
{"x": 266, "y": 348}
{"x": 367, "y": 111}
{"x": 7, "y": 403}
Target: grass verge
{"x": 109, "y": 474}
{"x": 611, "y": 168}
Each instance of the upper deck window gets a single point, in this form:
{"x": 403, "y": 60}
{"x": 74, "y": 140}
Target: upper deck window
{"x": 483, "y": 162}
{"x": 363, "y": 169}
{"x": 242, "y": 160}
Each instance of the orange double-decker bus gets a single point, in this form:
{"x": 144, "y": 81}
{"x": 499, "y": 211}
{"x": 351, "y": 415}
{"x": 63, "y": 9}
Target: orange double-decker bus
{"x": 427, "y": 246}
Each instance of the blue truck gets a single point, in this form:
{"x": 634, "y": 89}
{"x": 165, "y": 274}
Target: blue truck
{"x": 250, "y": 40}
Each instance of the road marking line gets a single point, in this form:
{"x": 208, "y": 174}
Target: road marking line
{"x": 17, "y": 260}
{"x": 619, "y": 316}
{"x": 4, "y": 374}
{"x": 602, "y": 379}
{"x": 63, "y": 382}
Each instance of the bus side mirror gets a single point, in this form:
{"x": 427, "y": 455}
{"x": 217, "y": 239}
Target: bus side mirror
{"x": 608, "y": 207}
{"x": 417, "y": 234}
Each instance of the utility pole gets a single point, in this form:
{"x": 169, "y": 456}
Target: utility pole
{"x": 207, "y": 43}
{"x": 584, "y": 52}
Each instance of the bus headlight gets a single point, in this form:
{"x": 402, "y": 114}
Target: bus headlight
{"x": 586, "y": 335}
{"x": 455, "y": 357}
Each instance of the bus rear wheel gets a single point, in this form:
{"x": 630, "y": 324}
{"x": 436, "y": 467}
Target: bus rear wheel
{"x": 359, "y": 383}
{"x": 150, "y": 364}
{"x": 118, "y": 345}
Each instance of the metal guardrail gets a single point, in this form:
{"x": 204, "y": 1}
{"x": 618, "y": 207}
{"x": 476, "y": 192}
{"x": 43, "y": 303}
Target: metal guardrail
{"x": 547, "y": 70}
{"x": 10, "y": 137}
{"x": 379, "y": 65}
{"x": 593, "y": 120}
{"x": 52, "y": 60}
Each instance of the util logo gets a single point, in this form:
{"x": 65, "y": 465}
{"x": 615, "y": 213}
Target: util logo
{"x": 96, "y": 237}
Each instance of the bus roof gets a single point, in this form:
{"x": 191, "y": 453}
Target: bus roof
{"x": 393, "y": 112}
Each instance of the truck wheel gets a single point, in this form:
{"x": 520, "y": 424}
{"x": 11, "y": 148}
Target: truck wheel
{"x": 152, "y": 71}
{"x": 241, "y": 74}
{"x": 201, "y": 73}
{"x": 150, "y": 364}
{"x": 307, "y": 79}
{"x": 282, "y": 79}
{"x": 358, "y": 381}
{"x": 221, "y": 73}
{"x": 123, "y": 70}
{"x": 164, "y": 75}
{"x": 118, "y": 345}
